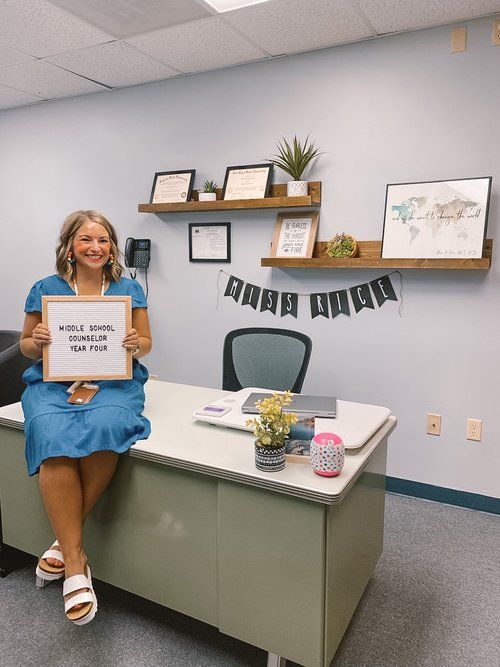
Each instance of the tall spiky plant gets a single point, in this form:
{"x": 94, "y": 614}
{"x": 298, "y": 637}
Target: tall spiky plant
{"x": 295, "y": 157}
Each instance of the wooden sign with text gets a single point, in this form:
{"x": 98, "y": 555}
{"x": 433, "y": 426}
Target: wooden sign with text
{"x": 87, "y": 334}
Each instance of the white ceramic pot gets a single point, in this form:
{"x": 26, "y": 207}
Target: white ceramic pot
{"x": 207, "y": 196}
{"x": 296, "y": 188}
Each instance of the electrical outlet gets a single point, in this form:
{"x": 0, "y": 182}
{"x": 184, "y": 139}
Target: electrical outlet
{"x": 474, "y": 428}
{"x": 495, "y": 35}
{"x": 434, "y": 424}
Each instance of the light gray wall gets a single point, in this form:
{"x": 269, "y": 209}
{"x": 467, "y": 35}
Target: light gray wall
{"x": 397, "y": 109}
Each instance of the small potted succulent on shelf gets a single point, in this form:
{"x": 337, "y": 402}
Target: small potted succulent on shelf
{"x": 342, "y": 246}
{"x": 208, "y": 193}
{"x": 294, "y": 157}
{"x": 271, "y": 429}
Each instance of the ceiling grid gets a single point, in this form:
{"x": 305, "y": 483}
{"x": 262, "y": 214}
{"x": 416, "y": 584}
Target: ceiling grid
{"x": 62, "y": 48}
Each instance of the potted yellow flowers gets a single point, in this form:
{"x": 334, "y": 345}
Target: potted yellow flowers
{"x": 271, "y": 430}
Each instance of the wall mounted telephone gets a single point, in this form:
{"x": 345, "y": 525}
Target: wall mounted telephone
{"x": 137, "y": 253}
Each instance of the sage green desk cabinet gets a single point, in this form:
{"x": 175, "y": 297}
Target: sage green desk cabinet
{"x": 278, "y": 571}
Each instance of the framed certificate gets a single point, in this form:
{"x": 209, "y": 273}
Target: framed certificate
{"x": 87, "y": 334}
{"x": 249, "y": 181}
{"x": 294, "y": 234}
{"x": 172, "y": 186}
{"x": 210, "y": 242}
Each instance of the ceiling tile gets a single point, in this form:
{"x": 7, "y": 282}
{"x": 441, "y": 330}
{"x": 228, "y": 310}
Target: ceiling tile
{"x": 201, "y": 45}
{"x": 113, "y": 64}
{"x": 40, "y": 78}
{"x": 10, "y": 56}
{"x": 40, "y": 29}
{"x": 10, "y": 98}
{"x": 394, "y": 15}
{"x": 290, "y": 26}
{"x": 124, "y": 18}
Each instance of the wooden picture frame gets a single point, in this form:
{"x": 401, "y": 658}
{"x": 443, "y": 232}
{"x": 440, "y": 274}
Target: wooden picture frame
{"x": 171, "y": 187}
{"x": 87, "y": 334}
{"x": 241, "y": 183}
{"x": 291, "y": 238}
{"x": 211, "y": 248}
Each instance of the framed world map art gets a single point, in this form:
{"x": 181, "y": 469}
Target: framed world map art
{"x": 436, "y": 219}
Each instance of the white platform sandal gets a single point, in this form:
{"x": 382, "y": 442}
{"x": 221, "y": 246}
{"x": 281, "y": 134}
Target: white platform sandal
{"x": 45, "y": 573}
{"x": 88, "y": 598}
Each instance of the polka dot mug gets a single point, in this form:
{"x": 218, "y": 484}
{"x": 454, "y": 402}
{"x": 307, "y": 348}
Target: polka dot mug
{"x": 327, "y": 454}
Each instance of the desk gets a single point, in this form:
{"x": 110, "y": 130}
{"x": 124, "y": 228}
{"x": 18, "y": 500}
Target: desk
{"x": 278, "y": 560}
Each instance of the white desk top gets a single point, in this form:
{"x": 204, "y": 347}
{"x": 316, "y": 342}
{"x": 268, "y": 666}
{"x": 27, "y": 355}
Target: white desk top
{"x": 354, "y": 422}
{"x": 180, "y": 441}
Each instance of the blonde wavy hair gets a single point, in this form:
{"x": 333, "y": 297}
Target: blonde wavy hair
{"x": 68, "y": 232}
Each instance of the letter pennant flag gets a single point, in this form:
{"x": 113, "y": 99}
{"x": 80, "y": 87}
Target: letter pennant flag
{"x": 322, "y": 304}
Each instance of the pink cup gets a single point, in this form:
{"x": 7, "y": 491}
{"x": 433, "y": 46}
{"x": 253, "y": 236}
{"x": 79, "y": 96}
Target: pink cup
{"x": 327, "y": 454}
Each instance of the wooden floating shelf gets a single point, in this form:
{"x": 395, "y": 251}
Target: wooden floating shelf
{"x": 277, "y": 199}
{"x": 369, "y": 258}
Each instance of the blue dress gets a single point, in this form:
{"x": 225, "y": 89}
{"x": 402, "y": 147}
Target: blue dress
{"x": 111, "y": 421}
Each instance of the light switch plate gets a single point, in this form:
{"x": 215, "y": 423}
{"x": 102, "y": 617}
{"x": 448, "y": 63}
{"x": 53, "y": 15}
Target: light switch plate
{"x": 458, "y": 40}
{"x": 495, "y": 35}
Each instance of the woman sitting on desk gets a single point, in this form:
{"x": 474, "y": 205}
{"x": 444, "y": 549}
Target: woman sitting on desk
{"x": 75, "y": 448}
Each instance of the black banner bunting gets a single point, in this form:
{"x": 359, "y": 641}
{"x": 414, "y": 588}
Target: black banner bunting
{"x": 234, "y": 287}
{"x": 319, "y": 305}
{"x": 339, "y": 303}
{"x": 361, "y": 297}
{"x": 324, "y": 304}
{"x": 383, "y": 290}
{"x": 289, "y": 304}
{"x": 251, "y": 295}
{"x": 269, "y": 300}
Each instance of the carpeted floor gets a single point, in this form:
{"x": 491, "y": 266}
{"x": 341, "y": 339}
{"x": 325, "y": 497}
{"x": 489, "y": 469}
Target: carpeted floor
{"x": 433, "y": 601}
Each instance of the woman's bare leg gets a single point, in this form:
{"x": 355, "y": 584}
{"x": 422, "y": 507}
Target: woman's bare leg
{"x": 61, "y": 489}
{"x": 96, "y": 472}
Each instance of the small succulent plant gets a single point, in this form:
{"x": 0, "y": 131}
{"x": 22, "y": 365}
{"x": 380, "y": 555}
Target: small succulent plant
{"x": 341, "y": 245}
{"x": 209, "y": 186}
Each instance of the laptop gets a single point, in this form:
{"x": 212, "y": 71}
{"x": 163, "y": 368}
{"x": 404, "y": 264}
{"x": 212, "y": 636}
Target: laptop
{"x": 317, "y": 406}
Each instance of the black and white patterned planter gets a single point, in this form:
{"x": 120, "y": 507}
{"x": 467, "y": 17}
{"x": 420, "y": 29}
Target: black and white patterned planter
{"x": 268, "y": 458}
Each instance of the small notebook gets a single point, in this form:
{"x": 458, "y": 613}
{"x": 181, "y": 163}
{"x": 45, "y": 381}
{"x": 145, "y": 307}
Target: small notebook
{"x": 316, "y": 406}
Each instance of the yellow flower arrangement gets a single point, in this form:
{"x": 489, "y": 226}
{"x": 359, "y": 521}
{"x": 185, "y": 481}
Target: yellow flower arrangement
{"x": 273, "y": 425}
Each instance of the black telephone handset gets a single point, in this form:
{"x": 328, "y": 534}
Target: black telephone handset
{"x": 137, "y": 253}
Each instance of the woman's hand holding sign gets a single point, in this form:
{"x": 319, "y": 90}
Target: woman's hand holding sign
{"x": 41, "y": 335}
{"x": 132, "y": 340}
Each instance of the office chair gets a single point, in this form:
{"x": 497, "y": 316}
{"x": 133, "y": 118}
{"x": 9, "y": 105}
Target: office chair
{"x": 12, "y": 366}
{"x": 264, "y": 357}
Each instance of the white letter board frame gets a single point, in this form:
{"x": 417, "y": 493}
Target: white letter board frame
{"x": 121, "y": 370}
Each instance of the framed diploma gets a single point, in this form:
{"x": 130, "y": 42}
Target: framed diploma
{"x": 87, "y": 334}
{"x": 172, "y": 186}
{"x": 294, "y": 234}
{"x": 249, "y": 181}
{"x": 210, "y": 242}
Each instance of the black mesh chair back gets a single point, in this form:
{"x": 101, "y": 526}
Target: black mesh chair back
{"x": 264, "y": 357}
{"x": 12, "y": 366}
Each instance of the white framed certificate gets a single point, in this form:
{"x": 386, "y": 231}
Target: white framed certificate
{"x": 210, "y": 242}
{"x": 87, "y": 335}
{"x": 294, "y": 234}
{"x": 170, "y": 187}
{"x": 251, "y": 181}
